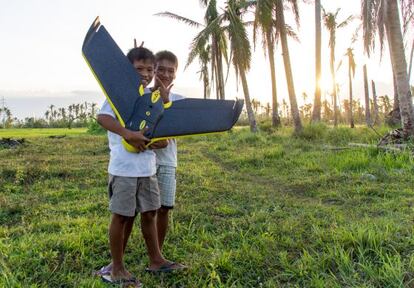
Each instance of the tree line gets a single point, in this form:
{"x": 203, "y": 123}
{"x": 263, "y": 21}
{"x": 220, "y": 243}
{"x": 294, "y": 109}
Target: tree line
{"x": 74, "y": 115}
{"x": 223, "y": 40}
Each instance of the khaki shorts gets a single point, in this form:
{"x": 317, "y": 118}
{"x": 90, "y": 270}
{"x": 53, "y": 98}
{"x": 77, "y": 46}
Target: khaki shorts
{"x": 132, "y": 195}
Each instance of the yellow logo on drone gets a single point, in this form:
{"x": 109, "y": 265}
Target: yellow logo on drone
{"x": 142, "y": 125}
{"x": 155, "y": 96}
{"x": 141, "y": 90}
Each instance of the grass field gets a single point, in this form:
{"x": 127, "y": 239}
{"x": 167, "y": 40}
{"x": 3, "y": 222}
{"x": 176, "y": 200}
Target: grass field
{"x": 39, "y": 132}
{"x": 264, "y": 210}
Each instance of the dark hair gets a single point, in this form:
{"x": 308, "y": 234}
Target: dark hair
{"x": 140, "y": 53}
{"x": 166, "y": 55}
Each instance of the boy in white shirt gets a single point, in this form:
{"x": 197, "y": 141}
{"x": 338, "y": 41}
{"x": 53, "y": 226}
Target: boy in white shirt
{"x": 133, "y": 186}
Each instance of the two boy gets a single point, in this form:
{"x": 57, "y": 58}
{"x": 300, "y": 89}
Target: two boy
{"x": 133, "y": 186}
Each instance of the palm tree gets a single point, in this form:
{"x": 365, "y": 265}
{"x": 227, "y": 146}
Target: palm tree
{"x": 351, "y": 74}
{"x": 47, "y": 114}
{"x": 51, "y": 107}
{"x": 210, "y": 38}
{"x": 316, "y": 113}
{"x": 374, "y": 102}
{"x": 280, "y": 26}
{"x": 366, "y": 94}
{"x": 240, "y": 51}
{"x": 382, "y": 16}
{"x": 331, "y": 23}
{"x": 263, "y": 21}
{"x": 204, "y": 59}
{"x": 93, "y": 110}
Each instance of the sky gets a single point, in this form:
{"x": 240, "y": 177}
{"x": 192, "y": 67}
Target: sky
{"x": 41, "y": 61}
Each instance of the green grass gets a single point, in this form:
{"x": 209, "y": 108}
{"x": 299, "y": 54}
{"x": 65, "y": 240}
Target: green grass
{"x": 264, "y": 210}
{"x": 39, "y": 132}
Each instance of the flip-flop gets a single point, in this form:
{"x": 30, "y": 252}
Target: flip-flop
{"x": 124, "y": 283}
{"x": 167, "y": 267}
{"x": 105, "y": 270}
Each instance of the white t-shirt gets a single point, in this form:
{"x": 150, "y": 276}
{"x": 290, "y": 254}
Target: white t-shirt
{"x": 168, "y": 156}
{"x": 122, "y": 162}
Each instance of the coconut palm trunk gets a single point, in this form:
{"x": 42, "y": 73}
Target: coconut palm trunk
{"x": 366, "y": 93}
{"x": 288, "y": 69}
{"x": 351, "y": 100}
{"x": 249, "y": 109}
{"x": 332, "y": 67}
{"x": 374, "y": 102}
{"x": 399, "y": 63}
{"x": 411, "y": 61}
{"x": 275, "y": 108}
{"x": 220, "y": 76}
{"x": 330, "y": 20}
{"x": 316, "y": 113}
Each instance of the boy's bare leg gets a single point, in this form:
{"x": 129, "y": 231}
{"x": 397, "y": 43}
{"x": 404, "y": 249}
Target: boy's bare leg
{"x": 127, "y": 232}
{"x": 149, "y": 231}
{"x": 162, "y": 225}
{"x": 116, "y": 241}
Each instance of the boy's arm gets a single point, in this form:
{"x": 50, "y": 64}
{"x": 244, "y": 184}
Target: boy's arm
{"x": 135, "y": 138}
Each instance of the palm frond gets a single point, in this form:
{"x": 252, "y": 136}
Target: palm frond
{"x": 180, "y": 19}
{"x": 263, "y": 22}
{"x": 197, "y": 46}
{"x": 368, "y": 12}
{"x": 291, "y": 33}
{"x": 346, "y": 21}
{"x": 239, "y": 41}
{"x": 382, "y": 14}
{"x": 295, "y": 10}
{"x": 203, "y": 3}
{"x": 339, "y": 65}
{"x": 407, "y": 12}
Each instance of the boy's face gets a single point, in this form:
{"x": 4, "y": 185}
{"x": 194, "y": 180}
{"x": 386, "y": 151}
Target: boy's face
{"x": 145, "y": 69}
{"x": 165, "y": 71}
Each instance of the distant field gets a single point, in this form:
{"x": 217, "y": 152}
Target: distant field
{"x": 23, "y": 133}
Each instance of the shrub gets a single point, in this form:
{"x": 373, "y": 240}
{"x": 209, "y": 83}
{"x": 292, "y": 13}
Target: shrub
{"x": 94, "y": 128}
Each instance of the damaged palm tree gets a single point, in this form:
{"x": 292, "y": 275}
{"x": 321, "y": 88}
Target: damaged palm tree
{"x": 382, "y": 17}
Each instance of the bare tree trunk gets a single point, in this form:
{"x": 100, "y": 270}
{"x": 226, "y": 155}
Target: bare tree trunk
{"x": 316, "y": 113}
{"x": 396, "y": 103}
{"x": 214, "y": 66}
{"x": 411, "y": 61}
{"x": 288, "y": 69}
{"x": 375, "y": 102}
{"x": 220, "y": 75}
{"x": 250, "y": 113}
{"x": 394, "y": 116}
{"x": 351, "y": 112}
{"x": 399, "y": 63}
{"x": 275, "y": 108}
{"x": 205, "y": 88}
{"x": 366, "y": 92}
{"x": 216, "y": 83}
{"x": 332, "y": 66}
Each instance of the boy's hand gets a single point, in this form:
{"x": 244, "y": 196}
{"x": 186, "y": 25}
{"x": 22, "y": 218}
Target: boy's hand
{"x": 137, "y": 139}
{"x": 164, "y": 91}
{"x": 159, "y": 144}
